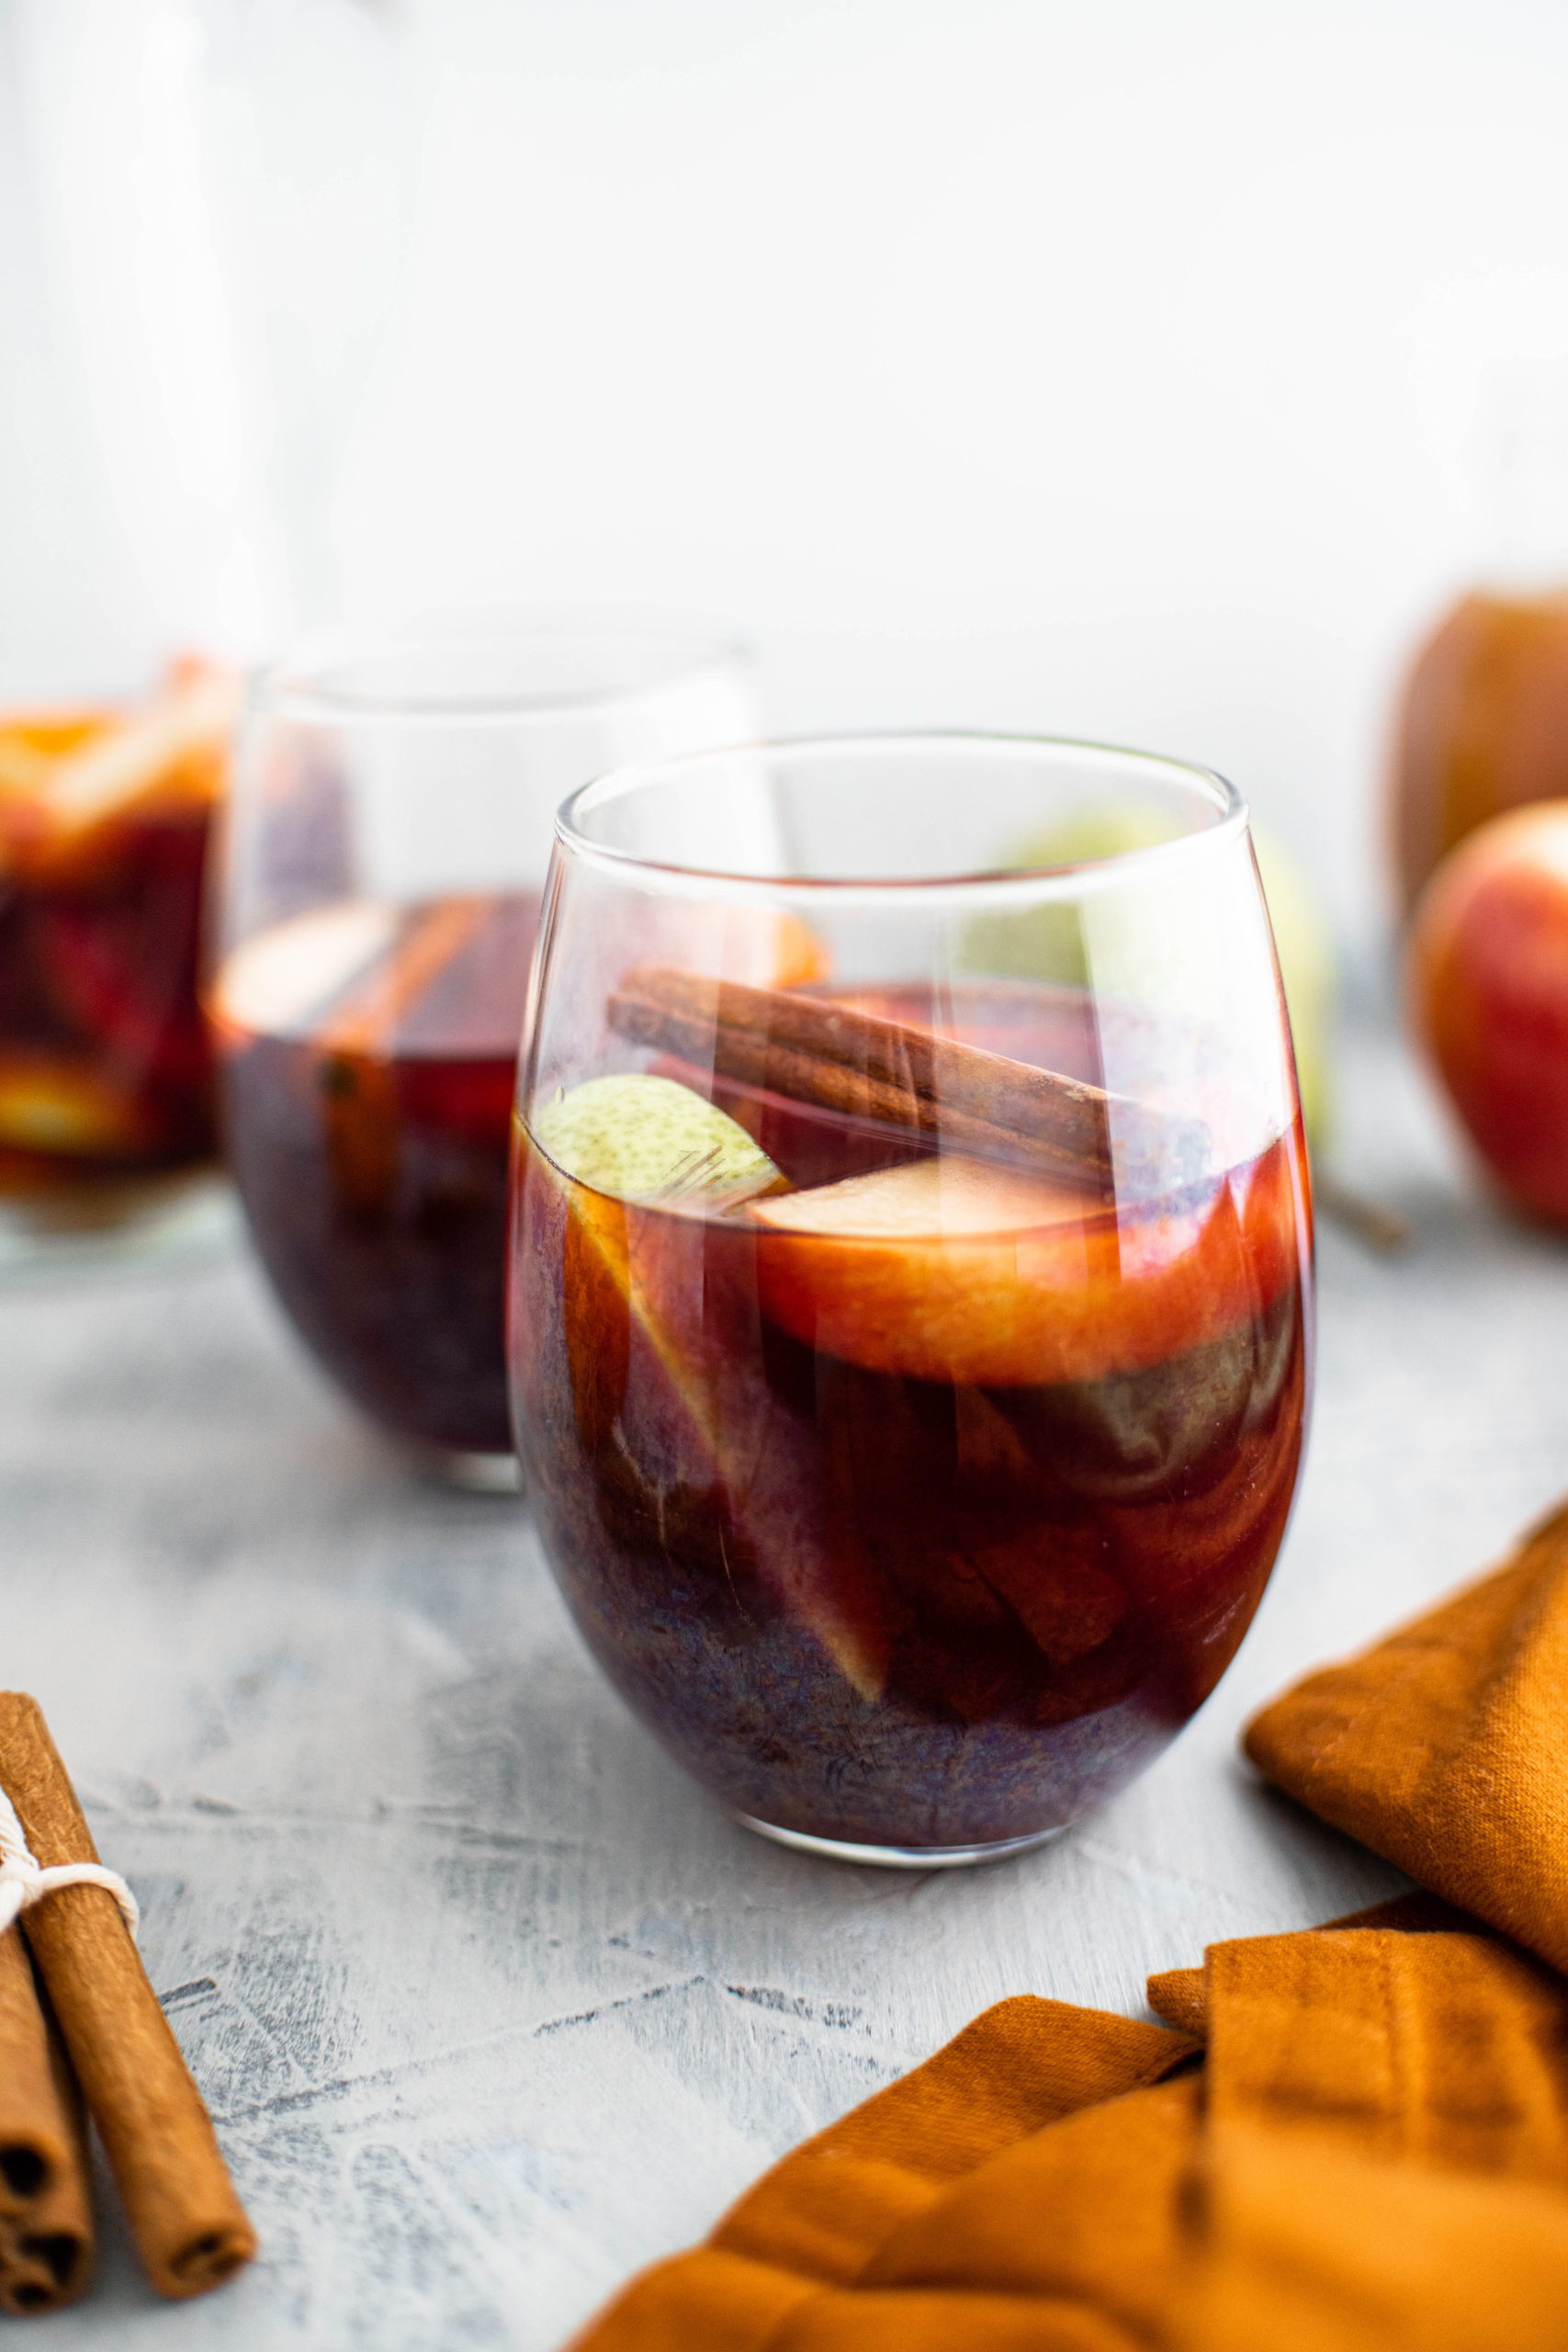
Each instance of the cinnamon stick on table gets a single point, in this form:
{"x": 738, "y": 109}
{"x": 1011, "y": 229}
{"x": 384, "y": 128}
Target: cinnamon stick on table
{"x": 46, "y": 2212}
{"x": 865, "y": 1066}
{"x": 189, "y": 2223}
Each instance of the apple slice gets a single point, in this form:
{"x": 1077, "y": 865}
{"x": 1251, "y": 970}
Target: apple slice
{"x": 174, "y": 743}
{"x": 280, "y": 982}
{"x": 958, "y": 1270}
{"x": 361, "y": 1105}
{"x": 1057, "y": 1580}
{"x": 655, "y": 1316}
{"x": 32, "y": 740}
{"x": 31, "y": 745}
{"x": 174, "y": 749}
{"x": 623, "y": 1140}
{"x": 287, "y": 982}
{"x": 347, "y": 979}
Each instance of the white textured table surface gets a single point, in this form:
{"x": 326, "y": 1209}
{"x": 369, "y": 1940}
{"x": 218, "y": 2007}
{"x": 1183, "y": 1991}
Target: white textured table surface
{"x": 490, "y": 2005}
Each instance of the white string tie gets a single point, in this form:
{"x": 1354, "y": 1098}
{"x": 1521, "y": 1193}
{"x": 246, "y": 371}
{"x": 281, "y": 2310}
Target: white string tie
{"x": 23, "y": 1882}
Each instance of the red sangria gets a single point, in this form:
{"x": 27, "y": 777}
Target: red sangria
{"x": 369, "y": 1060}
{"x": 391, "y": 826}
{"x": 911, "y": 1375}
{"x": 105, "y": 817}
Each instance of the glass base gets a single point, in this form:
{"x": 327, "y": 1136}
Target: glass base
{"x": 900, "y": 1858}
{"x": 476, "y": 1474}
{"x": 78, "y": 1221}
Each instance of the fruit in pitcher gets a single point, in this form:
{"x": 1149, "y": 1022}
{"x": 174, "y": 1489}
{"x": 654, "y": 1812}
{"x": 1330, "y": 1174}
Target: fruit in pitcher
{"x": 103, "y": 822}
{"x": 63, "y": 812}
{"x": 1487, "y": 982}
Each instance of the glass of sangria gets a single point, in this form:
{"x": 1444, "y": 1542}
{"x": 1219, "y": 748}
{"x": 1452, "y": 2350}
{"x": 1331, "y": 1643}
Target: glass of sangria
{"x": 105, "y": 1067}
{"x": 911, "y": 1350}
{"x": 381, "y": 875}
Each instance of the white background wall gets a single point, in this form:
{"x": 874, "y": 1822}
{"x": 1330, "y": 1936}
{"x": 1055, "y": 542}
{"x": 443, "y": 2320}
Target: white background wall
{"x": 1138, "y": 368}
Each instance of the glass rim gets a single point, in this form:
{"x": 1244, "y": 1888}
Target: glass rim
{"x": 1231, "y": 815}
{"x": 301, "y": 683}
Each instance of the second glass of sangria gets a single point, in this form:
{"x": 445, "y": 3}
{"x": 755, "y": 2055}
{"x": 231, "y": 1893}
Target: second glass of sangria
{"x": 911, "y": 1347}
{"x": 382, "y": 870}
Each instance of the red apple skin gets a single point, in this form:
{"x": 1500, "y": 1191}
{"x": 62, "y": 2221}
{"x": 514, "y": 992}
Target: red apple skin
{"x": 1073, "y": 1300}
{"x": 1483, "y": 727}
{"x": 1487, "y": 984}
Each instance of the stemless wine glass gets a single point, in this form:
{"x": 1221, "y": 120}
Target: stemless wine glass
{"x": 910, "y": 1347}
{"x": 388, "y": 840}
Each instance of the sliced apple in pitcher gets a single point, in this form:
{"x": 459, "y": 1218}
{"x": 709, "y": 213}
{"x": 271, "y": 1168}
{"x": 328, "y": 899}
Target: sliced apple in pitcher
{"x": 33, "y": 744}
{"x": 32, "y": 740}
{"x": 664, "y": 1345}
{"x": 961, "y": 1270}
{"x": 171, "y": 751}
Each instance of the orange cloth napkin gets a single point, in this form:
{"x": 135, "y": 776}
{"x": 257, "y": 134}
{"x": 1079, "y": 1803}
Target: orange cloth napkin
{"x": 1446, "y": 1748}
{"x": 1354, "y": 2137}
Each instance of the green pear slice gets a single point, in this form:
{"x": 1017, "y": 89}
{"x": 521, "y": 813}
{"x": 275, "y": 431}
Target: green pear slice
{"x": 643, "y": 1138}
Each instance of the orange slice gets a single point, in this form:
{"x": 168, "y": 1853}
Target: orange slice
{"x": 50, "y": 1104}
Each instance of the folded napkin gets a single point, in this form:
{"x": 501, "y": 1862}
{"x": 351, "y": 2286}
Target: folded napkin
{"x": 1445, "y": 1747}
{"x": 1343, "y": 2140}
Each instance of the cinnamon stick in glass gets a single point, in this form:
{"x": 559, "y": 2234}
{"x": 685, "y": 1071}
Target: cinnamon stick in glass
{"x": 865, "y": 1066}
{"x": 189, "y": 2223}
{"x": 46, "y": 2212}
{"x": 359, "y": 1086}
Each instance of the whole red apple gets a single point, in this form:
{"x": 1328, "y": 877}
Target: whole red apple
{"x": 1487, "y": 976}
{"x": 1483, "y": 725}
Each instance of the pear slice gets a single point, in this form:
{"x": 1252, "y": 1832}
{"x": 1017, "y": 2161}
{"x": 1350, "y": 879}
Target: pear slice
{"x": 642, "y": 1138}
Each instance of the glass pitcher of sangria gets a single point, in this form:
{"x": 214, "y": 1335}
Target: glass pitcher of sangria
{"x": 105, "y": 817}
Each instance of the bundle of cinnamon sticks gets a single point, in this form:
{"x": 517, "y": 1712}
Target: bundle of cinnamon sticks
{"x": 81, "y": 2029}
